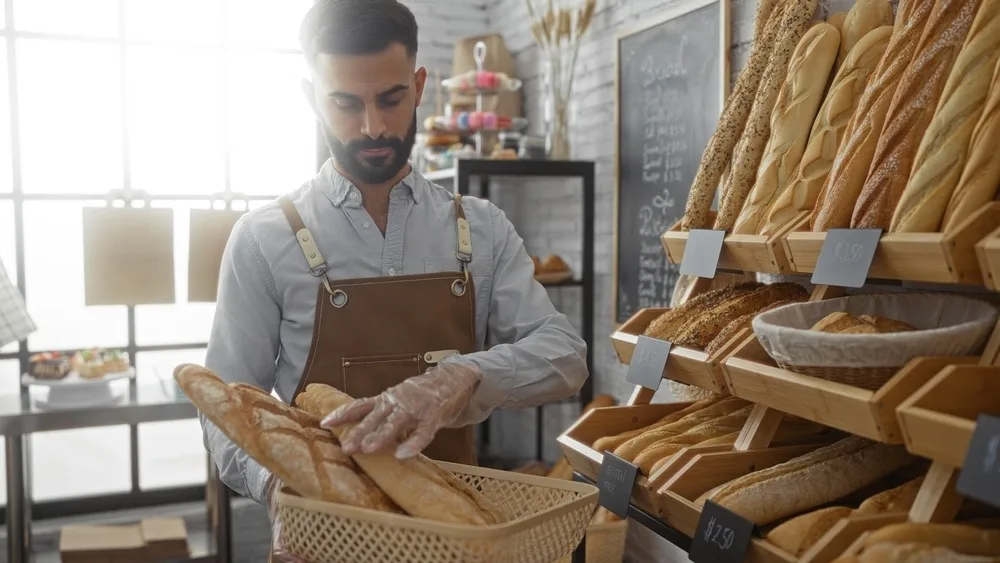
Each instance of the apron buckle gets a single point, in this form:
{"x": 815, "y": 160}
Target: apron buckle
{"x": 458, "y": 286}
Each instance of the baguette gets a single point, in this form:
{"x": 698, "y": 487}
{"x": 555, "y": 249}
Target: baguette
{"x": 915, "y": 553}
{"x": 911, "y": 111}
{"x": 611, "y": 443}
{"x": 794, "y": 112}
{"x": 418, "y": 485}
{"x": 828, "y": 130}
{"x": 837, "y": 21}
{"x": 897, "y": 499}
{"x": 836, "y": 200}
{"x": 733, "y": 120}
{"x": 305, "y": 458}
{"x": 944, "y": 149}
{"x": 724, "y": 440}
{"x": 959, "y": 537}
{"x": 750, "y": 148}
{"x": 665, "y": 326}
{"x": 705, "y": 431}
{"x": 799, "y": 534}
{"x": 634, "y": 446}
{"x": 700, "y": 331}
{"x": 811, "y": 480}
{"x": 864, "y": 17}
{"x": 981, "y": 172}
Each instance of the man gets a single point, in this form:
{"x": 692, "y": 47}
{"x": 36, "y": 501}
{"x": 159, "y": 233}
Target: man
{"x": 373, "y": 280}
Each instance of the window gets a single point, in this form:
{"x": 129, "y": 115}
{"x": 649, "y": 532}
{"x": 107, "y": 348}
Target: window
{"x": 95, "y": 18}
{"x": 9, "y": 378}
{"x": 6, "y": 181}
{"x": 8, "y": 253}
{"x": 96, "y": 459}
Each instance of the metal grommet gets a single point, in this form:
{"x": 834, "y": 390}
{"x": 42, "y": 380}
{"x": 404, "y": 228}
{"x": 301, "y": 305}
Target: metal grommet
{"x": 338, "y": 298}
{"x": 428, "y": 357}
{"x": 458, "y": 288}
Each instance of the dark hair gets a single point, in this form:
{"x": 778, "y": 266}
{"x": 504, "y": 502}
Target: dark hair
{"x": 357, "y": 27}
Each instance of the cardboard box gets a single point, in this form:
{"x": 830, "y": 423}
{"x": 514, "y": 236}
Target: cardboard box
{"x": 102, "y": 544}
{"x": 166, "y": 538}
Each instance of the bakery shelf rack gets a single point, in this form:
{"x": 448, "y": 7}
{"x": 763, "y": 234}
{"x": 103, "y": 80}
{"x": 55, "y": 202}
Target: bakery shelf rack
{"x": 988, "y": 252}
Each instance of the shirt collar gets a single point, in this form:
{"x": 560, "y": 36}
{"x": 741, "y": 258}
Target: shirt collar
{"x": 338, "y": 188}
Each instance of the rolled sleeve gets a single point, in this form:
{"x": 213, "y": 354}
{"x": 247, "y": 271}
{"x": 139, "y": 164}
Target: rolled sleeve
{"x": 243, "y": 347}
{"x": 533, "y": 355}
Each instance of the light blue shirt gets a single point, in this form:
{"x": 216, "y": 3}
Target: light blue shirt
{"x": 528, "y": 352}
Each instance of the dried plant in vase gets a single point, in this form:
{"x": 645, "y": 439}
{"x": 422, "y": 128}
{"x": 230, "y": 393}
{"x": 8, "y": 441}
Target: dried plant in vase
{"x": 558, "y": 32}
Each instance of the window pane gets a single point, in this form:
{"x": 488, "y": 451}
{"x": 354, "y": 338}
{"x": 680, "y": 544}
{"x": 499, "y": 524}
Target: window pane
{"x": 71, "y": 139}
{"x": 272, "y": 131}
{"x": 170, "y": 453}
{"x": 266, "y": 23}
{"x": 189, "y": 21}
{"x": 100, "y": 459}
{"x": 54, "y": 282}
{"x": 176, "y": 120}
{"x": 183, "y": 322}
{"x": 6, "y": 179}
{"x": 8, "y": 252}
{"x": 97, "y": 18}
{"x": 9, "y": 378}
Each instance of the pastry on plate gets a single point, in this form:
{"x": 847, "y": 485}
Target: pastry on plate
{"x": 48, "y": 365}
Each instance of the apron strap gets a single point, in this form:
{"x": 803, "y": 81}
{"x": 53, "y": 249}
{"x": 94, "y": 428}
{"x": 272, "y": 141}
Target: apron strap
{"x": 317, "y": 264}
{"x": 464, "y": 253}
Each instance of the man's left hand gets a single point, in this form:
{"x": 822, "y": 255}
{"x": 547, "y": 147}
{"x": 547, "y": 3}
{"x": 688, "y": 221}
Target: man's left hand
{"x": 409, "y": 414}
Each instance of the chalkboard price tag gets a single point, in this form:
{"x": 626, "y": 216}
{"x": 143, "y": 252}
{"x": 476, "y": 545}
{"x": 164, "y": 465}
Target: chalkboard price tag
{"x": 701, "y": 253}
{"x": 722, "y": 536}
{"x": 648, "y": 362}
{"x": 846, "y": 257}
{"x": 980, "y": 477}
{"x": 615, "y": 484}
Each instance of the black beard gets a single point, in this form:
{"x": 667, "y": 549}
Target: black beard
{"x": 372, "y": 170}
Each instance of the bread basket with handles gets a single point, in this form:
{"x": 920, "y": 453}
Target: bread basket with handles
{"x": 947, "y": 325}
{"x": 545, "y": 520}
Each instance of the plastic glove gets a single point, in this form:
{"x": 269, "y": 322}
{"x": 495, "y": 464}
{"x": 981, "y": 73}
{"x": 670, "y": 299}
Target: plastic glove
{"x": 409, "y": 414}
{"x": 278, "y": 552}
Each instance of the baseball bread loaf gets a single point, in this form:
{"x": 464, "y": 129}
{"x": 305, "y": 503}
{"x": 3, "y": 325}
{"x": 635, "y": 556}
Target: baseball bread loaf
{"x": 864, "y": 17}
{"x": 808, "y": 481}
{"x": 418, "y": 485}
{"x": 981, "y": 173}
{"x": 847, "y": 177}
{"x": 794, "y": 112}
{"x": 911, "y": 111}
{"x": 714, "y": 161}
{"x": 944, "y": 148}
{"x": 286, "y": 441}
{"x": 828, "y": 130}
{"x": 750, "y": 148}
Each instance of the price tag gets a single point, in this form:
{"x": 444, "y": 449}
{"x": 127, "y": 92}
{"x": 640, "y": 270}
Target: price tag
{"x": 701, "y": 253}
{"x": 649, "y": 360}
{"x": 615, "y": 484}
{"x": 980, "y": 477}
{"x": 722, "y": 536}
{"x": 846, "y": 257}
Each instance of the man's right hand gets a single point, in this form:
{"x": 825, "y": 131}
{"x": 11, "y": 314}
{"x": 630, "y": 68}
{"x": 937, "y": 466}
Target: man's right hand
{"x": 278, "y": 552}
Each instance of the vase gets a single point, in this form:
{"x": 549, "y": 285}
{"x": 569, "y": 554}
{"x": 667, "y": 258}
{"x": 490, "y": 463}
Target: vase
{"x": 556, "y": 109}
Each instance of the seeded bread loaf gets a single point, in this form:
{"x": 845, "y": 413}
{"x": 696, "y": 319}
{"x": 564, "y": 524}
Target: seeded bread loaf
{"x": 911, "y": 111}
{"x": 840, "y": 192}
{"x": 665, "y": 326}
{"x": 745, "y": 322}
{"x": 828, "y": 130}
{"x": 794, "y": 112}
{"x": 700, "y": 331}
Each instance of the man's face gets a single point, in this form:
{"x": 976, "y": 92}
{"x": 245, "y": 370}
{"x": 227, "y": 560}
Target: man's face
{"x": 368, "y": 107}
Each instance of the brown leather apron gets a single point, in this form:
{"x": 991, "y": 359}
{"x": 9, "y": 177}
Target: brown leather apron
{"x": 372, "y": 333}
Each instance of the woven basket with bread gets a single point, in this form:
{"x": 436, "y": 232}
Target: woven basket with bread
{"x": 863, "y": 340}
{"x": 375, "y": 508}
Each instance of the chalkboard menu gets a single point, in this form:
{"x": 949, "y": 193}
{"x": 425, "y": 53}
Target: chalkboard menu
{"x": 672, "y": 78}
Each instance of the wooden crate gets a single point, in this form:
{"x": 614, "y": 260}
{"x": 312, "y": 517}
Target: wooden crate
{"x": 750, "y": 253}
{"x": 845, "y": 534}
{"x": 988, "y": 253}
{"x": 938, "y": 420}
{"x": 686, "y": 365}
{"x": 752, "y": 375}
{"x": 921, "y": 257}
{"x": 576, "y": 443}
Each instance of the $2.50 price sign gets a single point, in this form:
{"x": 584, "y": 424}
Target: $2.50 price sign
{"x": 846, "y": 257}
{"x": 980, "y": 476}
{"x": 722, "y": 536}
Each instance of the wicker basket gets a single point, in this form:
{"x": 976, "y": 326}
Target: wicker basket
{"x": 547, "y": 521}
{"x": 870, "y": 378}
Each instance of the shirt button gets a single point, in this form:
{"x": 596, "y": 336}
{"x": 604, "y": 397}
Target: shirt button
{"x": 354, "y": 195}
{"x": 367, "y": 224}
{"x": 392, "y": 271}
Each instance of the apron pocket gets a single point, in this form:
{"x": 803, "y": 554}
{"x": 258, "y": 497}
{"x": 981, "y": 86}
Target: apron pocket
{"x": 367, "y": 376}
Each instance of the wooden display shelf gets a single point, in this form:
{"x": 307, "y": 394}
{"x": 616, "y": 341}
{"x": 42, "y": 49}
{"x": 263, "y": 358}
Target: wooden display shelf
{"x": 750, "y": 253}
{"x": 846, "y": 535}
{"x": 988, "y": 252}
{"x": 938, "y": 420}
{"x": 686, "y": 365}
{"x": 752, "y": 375}
{"x": 920, "y": 257}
